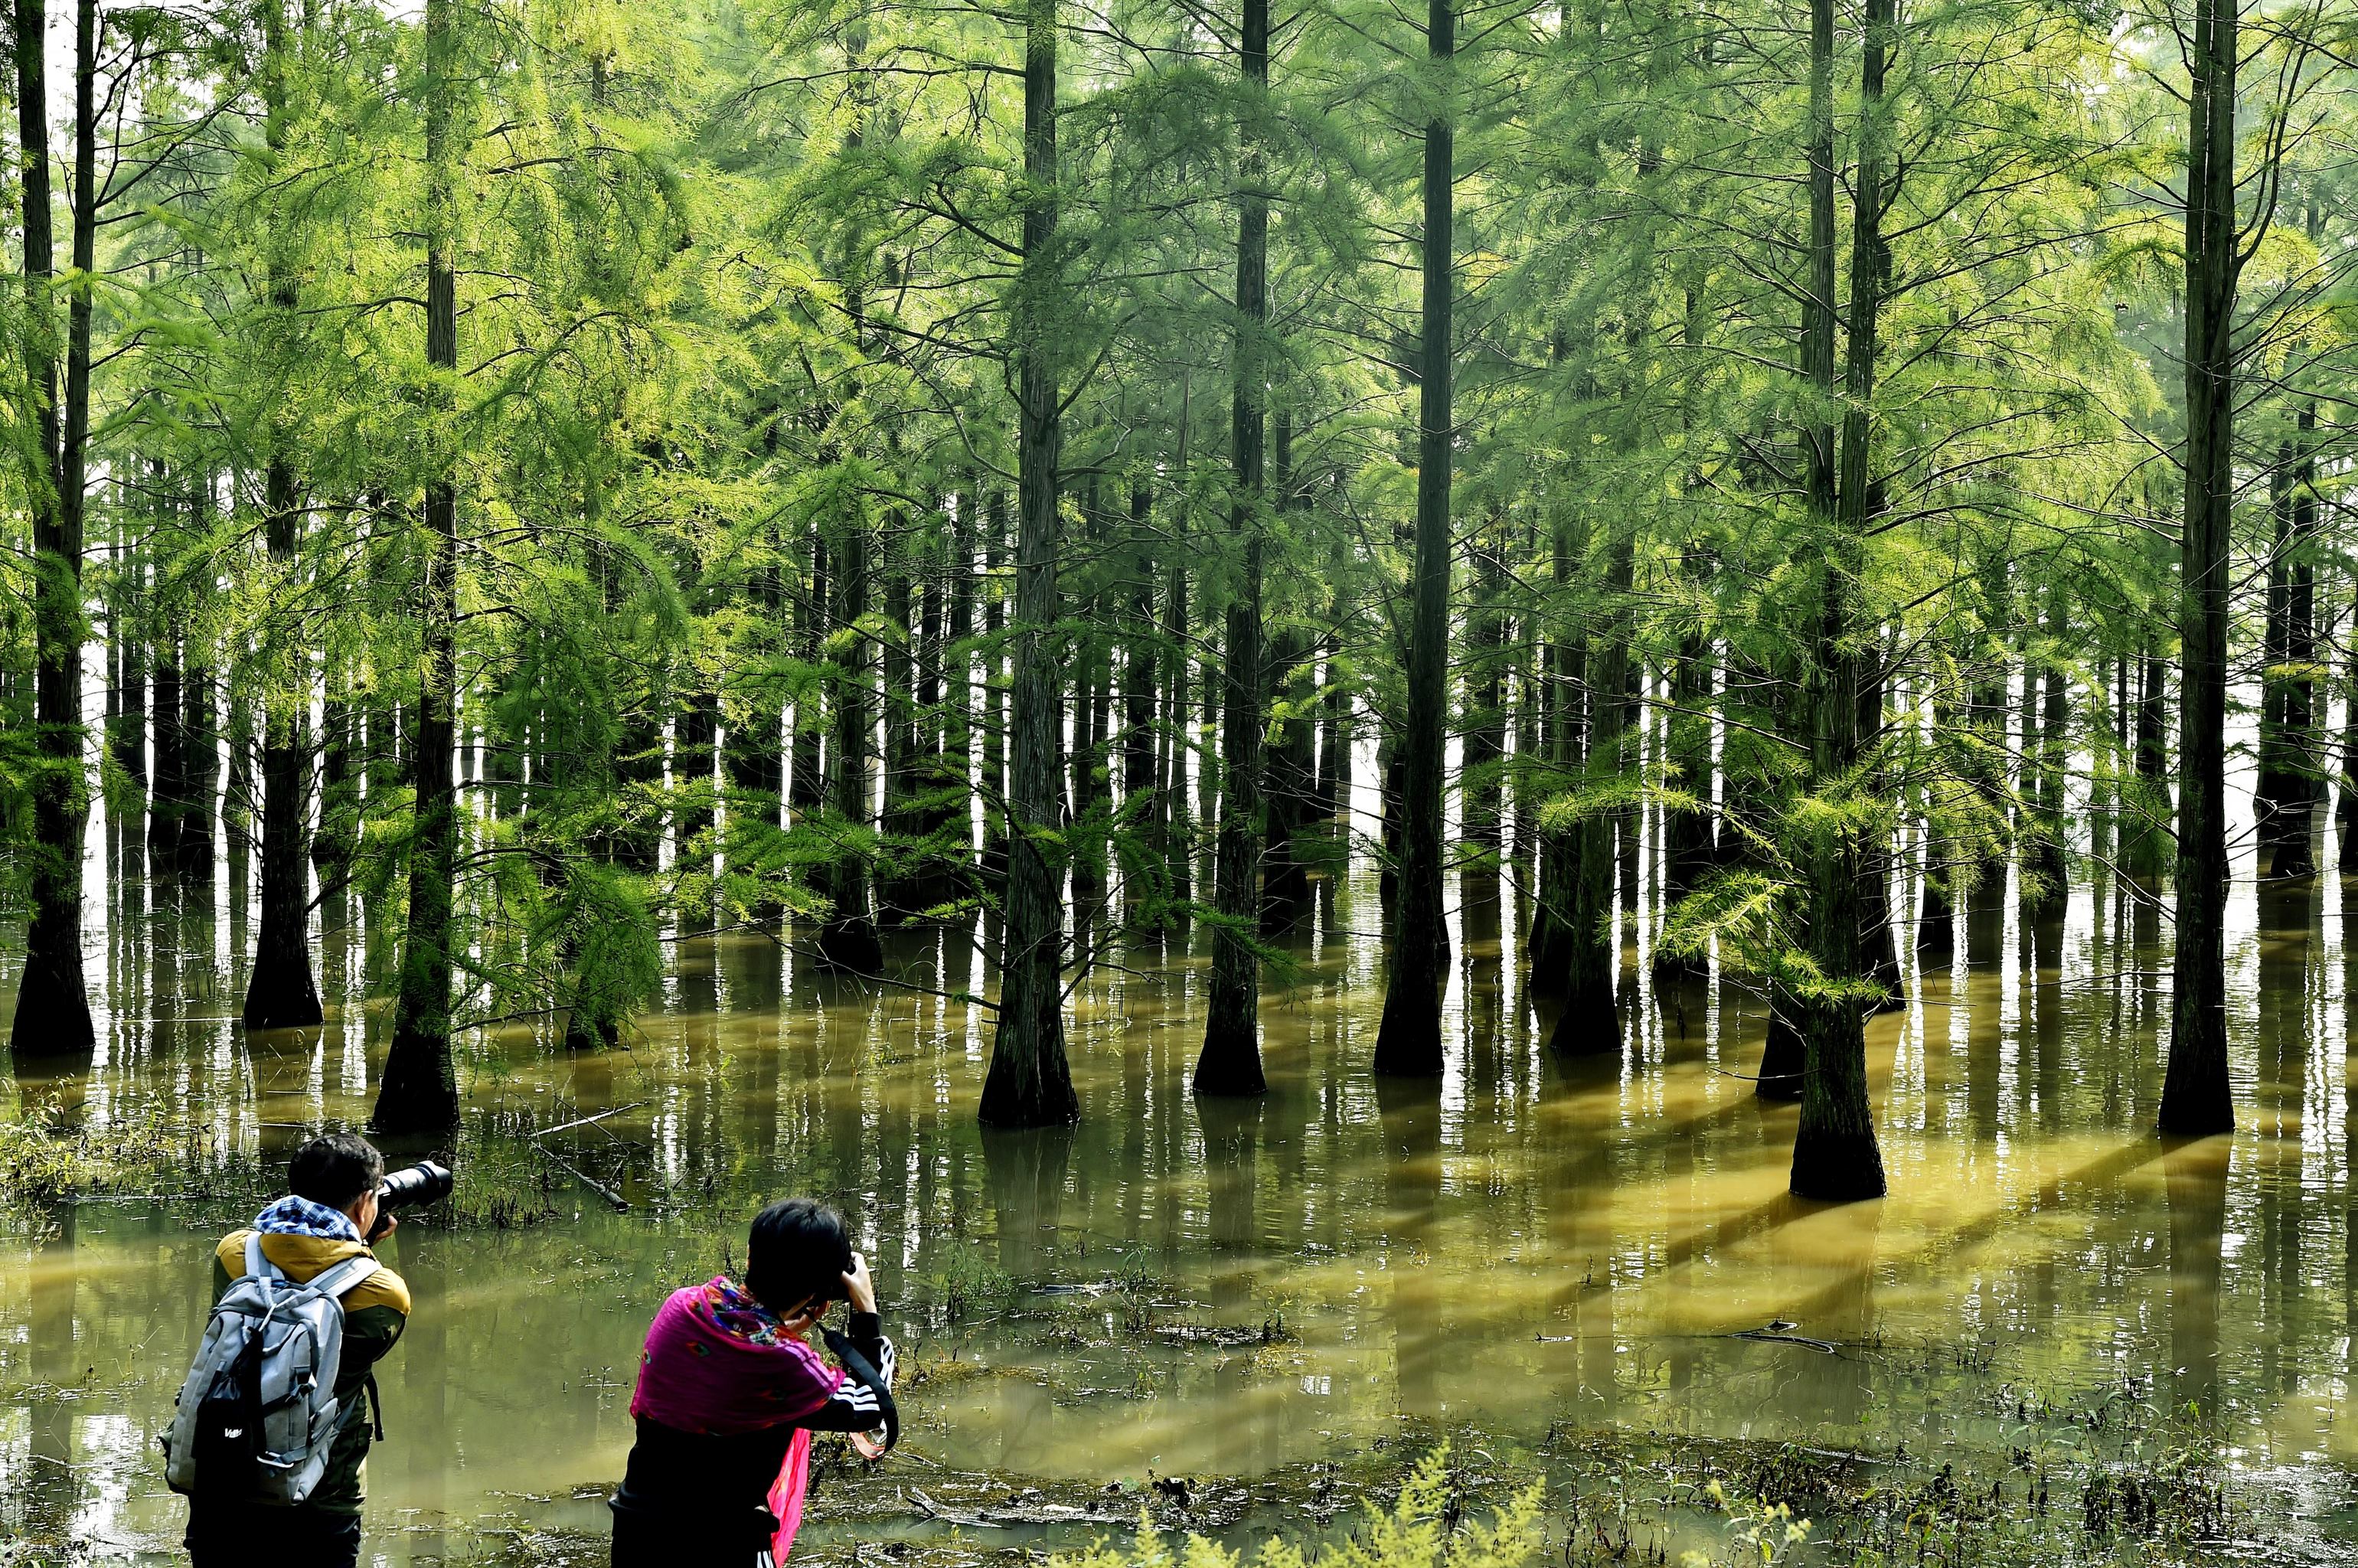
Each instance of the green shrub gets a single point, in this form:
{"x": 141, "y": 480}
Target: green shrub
{"x": 1425, "y": 1529}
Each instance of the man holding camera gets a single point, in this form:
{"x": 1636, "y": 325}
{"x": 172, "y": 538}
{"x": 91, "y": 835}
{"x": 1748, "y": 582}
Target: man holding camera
{"x": 330, "y": 1216}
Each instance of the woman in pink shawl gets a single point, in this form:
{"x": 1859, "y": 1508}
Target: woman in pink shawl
{"x": 729, "y": 1390}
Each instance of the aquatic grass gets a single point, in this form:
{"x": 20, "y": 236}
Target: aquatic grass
{"x": 967, "y": 1284}
{"x": 501, "y": 1183}
{"x": 49, "y": 1156}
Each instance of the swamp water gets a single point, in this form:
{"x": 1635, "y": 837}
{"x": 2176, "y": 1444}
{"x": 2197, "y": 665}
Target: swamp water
{"x": 1176, "y": 1289}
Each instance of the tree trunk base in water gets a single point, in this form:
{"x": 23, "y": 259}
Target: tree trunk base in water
{"x": 2196, "y": 1113}
{"x": 419, "y": 1093}
{"x": 1408, "y": 1040}
{"x": 52, "y": 1016}
{"x": 585, "y": 1032}
{"x": 281, "y": 995}
{"x": 1781, "y": 1060}
{"x": 852, "y": 944}
{"x": 1832, "y": 1169}
{"x": 1013, "y": 1104}
{"x": 1672, "y": 970}
{"x": 1230, "y": 1070}
{"x": 1589, "y": 1025}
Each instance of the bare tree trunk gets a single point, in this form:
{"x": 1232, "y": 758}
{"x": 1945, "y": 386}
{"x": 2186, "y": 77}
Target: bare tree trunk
{"x": 1408, "y": 1040}
{"x": 420, "y": 1089}
{"x": 280, "y": 992}
{"x": 1590, "y": 1023}
{"x": 1229, "y": 1063}
{"x": 2195, "y": 1098}
{"x": 848, "y": 936}
{"x": 52, "y": 1003}
{"x": 1834, "y": 1152}
{"x": 1030, "y": 1084}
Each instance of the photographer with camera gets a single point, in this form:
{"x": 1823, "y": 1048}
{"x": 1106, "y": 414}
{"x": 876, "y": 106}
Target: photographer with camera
{"x": 730, "y": 1391}
{"x": 274, "y": 1421}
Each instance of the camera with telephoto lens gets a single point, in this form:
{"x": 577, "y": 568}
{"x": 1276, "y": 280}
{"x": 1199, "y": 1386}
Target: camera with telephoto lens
{"x": 423, "y": 1183}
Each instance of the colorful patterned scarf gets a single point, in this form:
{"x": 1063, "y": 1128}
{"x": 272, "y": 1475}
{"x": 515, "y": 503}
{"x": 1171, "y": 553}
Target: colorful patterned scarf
{"x": 292, "y": 1215}
{"x": 719, "y": 1362}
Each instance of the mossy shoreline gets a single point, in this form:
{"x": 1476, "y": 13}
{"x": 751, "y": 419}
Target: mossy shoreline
{"x": 1598, "y": 1499}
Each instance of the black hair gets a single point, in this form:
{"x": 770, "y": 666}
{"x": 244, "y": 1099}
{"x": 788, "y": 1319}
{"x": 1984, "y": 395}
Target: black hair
{"x": 800, "y": 1248}
{"x": 335, "y": 1168}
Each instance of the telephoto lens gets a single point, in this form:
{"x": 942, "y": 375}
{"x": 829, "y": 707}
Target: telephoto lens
{"x": 423, "y": 1183}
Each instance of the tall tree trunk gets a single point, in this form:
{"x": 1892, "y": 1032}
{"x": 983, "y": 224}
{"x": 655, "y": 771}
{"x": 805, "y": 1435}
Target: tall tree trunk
{"x": 904, "y": 707}
{"x": 280, "y": 992}
{"x": 2346, "y": 805}
{"x": 1229, "y": 1063}
{"x": 1483, "y": 751}
{"x": 2297, "y": 748}
{"x": 420, "y": 1089}
{"x": 167, "y": 796}
{"x": 1287, "y": 755}
{"x": 1834, "y": 1152}
{"x": 2271, "y": 787}
{"x": 993, "y": 859}
{"x": 192, "y": 855}
{"x": 1030, "y": 1084}
{"x": 52, "y": 1004}
{"x": 695, "y": 734}
{"x": 1688, "y": 850}
{"x": 1141, "y": 805}
{"x": 807, "y": 791}
{"x": 129, "y": 625}
{"x": 2195, "y": 1098}
{"x": 2050, "y": 869}
{"x": 1555, "y": 913}
{"x": 848, "y": 936}
{"x": 1179, "y": 823}
{"x": 958, "y": 736}
{"x": 1408, "y": 1040}
{"x": 1590, "y": 1023}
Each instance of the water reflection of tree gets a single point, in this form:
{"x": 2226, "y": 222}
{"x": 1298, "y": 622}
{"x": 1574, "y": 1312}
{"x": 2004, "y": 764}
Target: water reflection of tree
{"x": 1232, "y": 1138}
{"x": 52, "y": 1489}
{"x": 1411, "y": 1111}
{"x": 1024, "y": 1170}
{"x": 419, "y": 1368}
{"x": 2195, "y": 1173}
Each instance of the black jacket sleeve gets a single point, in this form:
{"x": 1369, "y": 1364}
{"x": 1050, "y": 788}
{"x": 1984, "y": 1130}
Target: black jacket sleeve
{"x": 864, "y": 1403}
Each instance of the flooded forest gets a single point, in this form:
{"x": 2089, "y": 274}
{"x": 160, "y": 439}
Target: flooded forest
{"x": 1427, "y": 750}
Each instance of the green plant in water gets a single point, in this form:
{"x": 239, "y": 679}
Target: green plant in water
{"x": 48, "y": 1157}
{"x": 969, "y": 1284}
{"x": 1758, "y": 1532}
{"x": 1422, "y": 1529}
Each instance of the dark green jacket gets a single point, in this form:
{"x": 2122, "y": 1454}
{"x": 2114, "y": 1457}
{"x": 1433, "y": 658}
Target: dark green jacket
{"x": 376, "y": 1311}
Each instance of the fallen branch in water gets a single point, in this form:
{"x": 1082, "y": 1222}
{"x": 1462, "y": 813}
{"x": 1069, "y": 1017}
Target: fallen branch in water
{"x": 621, "y": 1204}
{"x": 584, "y": 1121}
{"x": 1827, "y": 1346}
{"x": 935, "y": 1511}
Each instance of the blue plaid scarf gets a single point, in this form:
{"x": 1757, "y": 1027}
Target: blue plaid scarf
{"x": 292, "y": 1215}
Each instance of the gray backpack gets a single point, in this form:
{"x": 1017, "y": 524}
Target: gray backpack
{"x": 258, "y": 1413}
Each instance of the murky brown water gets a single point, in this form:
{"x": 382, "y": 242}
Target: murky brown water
{"x": 1229, "y": 1289}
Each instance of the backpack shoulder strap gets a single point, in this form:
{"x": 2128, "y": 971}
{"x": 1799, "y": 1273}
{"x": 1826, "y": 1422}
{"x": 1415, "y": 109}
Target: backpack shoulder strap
{"x": 344, "y": 1276}
{"x": 257, "y": 1265}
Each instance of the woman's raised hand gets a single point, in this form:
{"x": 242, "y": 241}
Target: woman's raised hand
{"x": 857, "y": 1288}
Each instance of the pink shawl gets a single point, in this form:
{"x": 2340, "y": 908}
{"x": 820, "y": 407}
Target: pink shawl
{"x": 717, "y": 1363}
